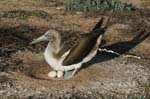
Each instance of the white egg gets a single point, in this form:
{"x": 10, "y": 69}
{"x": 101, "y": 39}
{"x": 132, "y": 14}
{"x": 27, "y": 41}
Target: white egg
{"x": 52, "y": 74}
{"x": 60, "y": 74}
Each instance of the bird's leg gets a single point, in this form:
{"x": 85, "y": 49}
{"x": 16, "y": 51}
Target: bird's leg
{"x": 65, "y": 74}
{"x": 66, "y": 77}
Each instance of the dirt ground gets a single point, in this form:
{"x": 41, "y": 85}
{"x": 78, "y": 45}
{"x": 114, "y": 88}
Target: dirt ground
{"x": 23, "y": 70}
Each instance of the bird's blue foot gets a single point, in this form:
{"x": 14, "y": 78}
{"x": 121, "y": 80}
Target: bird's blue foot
{"x": 67, "y": 77}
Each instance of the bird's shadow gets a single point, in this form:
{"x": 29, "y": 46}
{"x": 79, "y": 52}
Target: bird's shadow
{"x": 119, "y": 47}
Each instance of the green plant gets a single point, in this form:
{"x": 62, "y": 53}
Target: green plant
{"x": 13, "y": 14}
{"x": 40, "y": 13}
{"x": 96, "y": 5}
{"x": 23, "y": 14}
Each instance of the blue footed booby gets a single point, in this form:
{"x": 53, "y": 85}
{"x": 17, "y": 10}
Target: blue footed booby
{"x": 63, "y": 57}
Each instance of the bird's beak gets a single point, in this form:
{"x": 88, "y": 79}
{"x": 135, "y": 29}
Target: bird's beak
{"x": 40, "y": 39}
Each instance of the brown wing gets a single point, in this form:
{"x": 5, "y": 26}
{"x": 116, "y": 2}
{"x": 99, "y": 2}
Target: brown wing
{"x": 64, "y": 49}
{"x": 81, "y": 49}
{"x": 67, "y": 44}
{"x": 98, "y": 25}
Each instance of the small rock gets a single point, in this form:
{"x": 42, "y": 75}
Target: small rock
{"x": 79, "y": 13}
{"x": 58, "y": 8}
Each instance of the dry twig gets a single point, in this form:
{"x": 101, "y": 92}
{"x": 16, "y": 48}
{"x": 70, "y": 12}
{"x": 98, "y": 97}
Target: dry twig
{"x": 113, "y": 52}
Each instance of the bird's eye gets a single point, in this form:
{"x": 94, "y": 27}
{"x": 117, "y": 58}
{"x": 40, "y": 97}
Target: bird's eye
{"x": 46, "y": 35}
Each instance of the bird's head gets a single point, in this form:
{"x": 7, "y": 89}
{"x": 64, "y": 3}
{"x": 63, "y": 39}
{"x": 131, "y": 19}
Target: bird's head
{"x": 50, "y": 35}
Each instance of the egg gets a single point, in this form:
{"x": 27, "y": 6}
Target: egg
{"x": 52, "y": 74}
{"x": 60, "y": 74}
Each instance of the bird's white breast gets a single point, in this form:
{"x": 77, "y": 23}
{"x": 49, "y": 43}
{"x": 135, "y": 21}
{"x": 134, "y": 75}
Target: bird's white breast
{"x": 55, "y": 63}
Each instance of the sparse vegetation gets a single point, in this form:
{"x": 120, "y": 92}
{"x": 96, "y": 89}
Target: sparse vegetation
{"x": 23, "y": 14}
{"x": 147, "y": 88}
{"x": 96, "y": 5}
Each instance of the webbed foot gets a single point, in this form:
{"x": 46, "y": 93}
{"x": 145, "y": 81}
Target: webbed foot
{"x": 69, "y": 77}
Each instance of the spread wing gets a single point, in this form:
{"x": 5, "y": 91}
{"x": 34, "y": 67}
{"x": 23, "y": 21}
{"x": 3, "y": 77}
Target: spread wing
{"x": 67, "y": 44}
{"x": 81, "y": 49}
{"x": 98, "y": 25}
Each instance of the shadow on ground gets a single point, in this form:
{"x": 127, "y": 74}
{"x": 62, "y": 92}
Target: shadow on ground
{"x": 119, "y": 47}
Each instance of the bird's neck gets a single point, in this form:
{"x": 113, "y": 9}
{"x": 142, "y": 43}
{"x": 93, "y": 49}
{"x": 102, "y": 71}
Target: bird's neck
{"x": 53, "y": 46}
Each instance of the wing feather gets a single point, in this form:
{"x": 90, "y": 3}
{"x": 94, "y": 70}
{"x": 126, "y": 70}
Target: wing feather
{"x": 81, "y": 49}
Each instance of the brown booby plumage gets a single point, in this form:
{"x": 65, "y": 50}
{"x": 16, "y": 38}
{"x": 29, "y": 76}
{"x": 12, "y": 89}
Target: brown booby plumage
{"x": 62, "y": 57}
